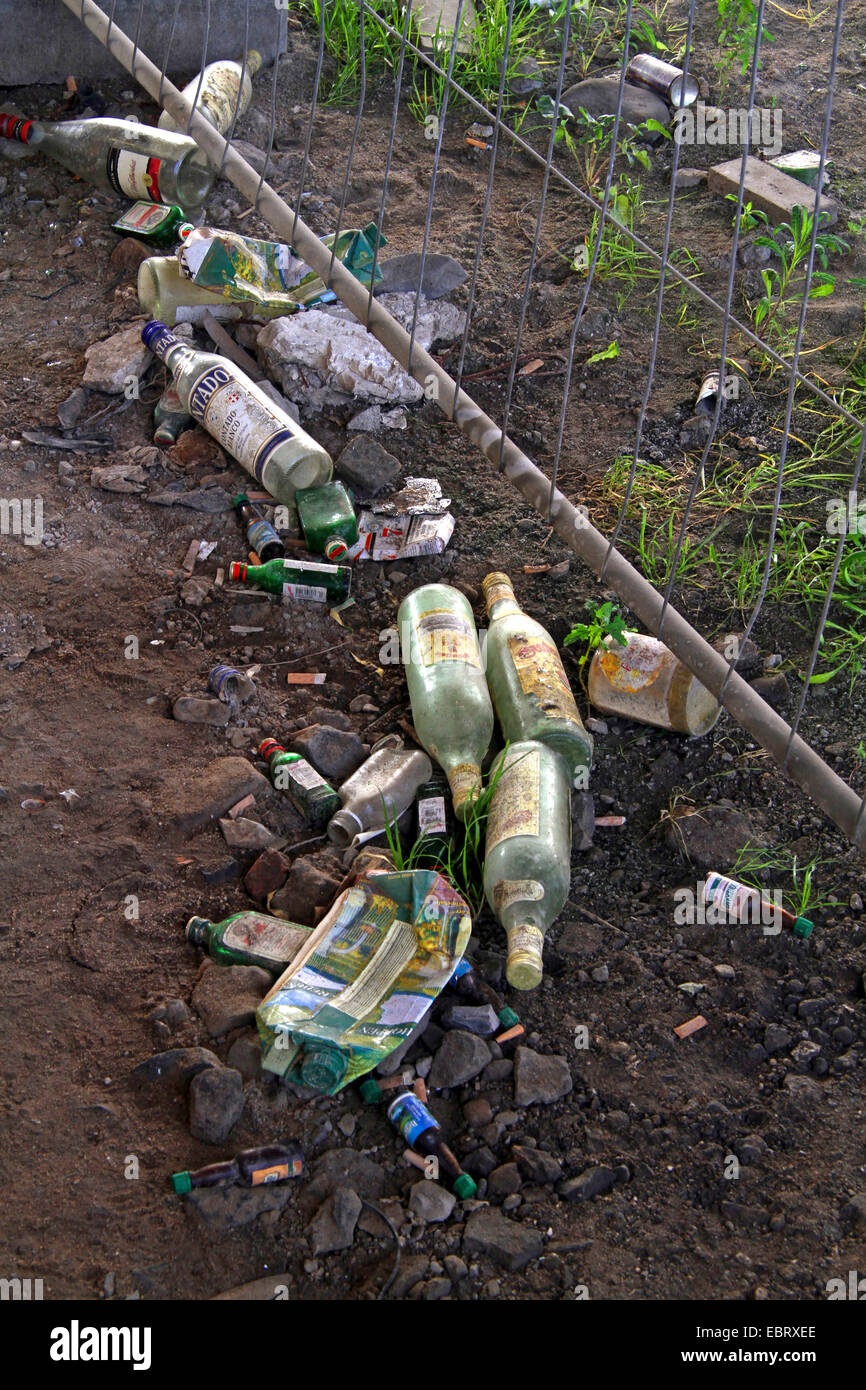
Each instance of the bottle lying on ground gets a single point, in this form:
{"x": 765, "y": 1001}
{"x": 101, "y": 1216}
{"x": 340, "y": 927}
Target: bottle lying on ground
{"x": 298, "y": 581}
{"x": 736, "y": 902}
{"x": 170, "y": 418}
{"x": 267, "y": 442}
{"x": 217, "y": 98}
{"x": 422, "y": 1133}
{"x": 154, "y": 224}
{"x": 527, "y": 680}
{"x": 249, "y": 938}
{"x": 165, "y": 295}
{"x": 527, "y": 863}
{"x": 327, "y": 519}
{"x": 250, "y": 1168}
{"x": 645, "y": 681}
{"x": 261, "y": 536}
{"x": 382, "y": 789}
{"x": 451, "y": 708}
{"x": 124, "y": 157}
{"x": 313, "y": 797}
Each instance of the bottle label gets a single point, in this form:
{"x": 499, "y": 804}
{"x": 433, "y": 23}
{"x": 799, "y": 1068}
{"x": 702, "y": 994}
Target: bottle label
{"x": 304, "y": 593}
{"x": 431, "y": 816}
{"x": 634, "y": 667}
{"x": 278, "y": 1173}
{"x": 248, "y": 428}
{"x": 143, "y": 217}
{"x": 542, "y": 674}
{"x": 464, "y": 780}
{"x": 305, "y": 775}
{"x": 498, "y": 590}
{"x": 514, "y": 808}
{"x": 135, "y": 173}
{"x": 446, "y": 636}
{"x": 735, "y": 899}
{"x": 516, "y": 890}
{"x": 411, "y": 1117}
{"x": 264, "y": 937}
{"x": 525, "y": 941}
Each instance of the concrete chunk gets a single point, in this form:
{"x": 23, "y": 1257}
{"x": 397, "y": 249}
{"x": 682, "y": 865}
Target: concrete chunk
{"x": 767, "y": 188}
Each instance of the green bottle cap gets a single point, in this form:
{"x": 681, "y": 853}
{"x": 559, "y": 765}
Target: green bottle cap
{"x": 464, "y": 1187}
{"x": 508, "y": 1018}
{"x": 181, "y": 1182}
{"x": 239, "y": 498}
{"x": 370, "y": 1091}
{"x": 323, "y": 1068}
{"x": 803, "y": 927}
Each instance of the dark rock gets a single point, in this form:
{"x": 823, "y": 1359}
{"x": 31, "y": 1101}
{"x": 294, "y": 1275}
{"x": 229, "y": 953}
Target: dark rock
{"x": 411, "y": 1272}
{"x": 178, "y": 1066}
{"x": 746, "y": 653}
{"x": 504, "y": 1180}
{"x": 593, "y": 1182}
{"x": 582, "y": 821}
{"x": 245, "y": 1055}
{"x": 690, "y": 178}
{"x": 741, "y": 1215}
{"x": 227, "y": 1208}
{"x": 216, "y": 1102}
{"x": 455, "y": 1268}
{"x": 594, "y": 323}
{"x": 481, "y": 1020}
{"x": 509, "y": 1243}
{"x": 776, "y": 1038}
{"x": 477, "y": 1113}
{"x": 599, "y": 95}
{"x": 539, "y": 1080}
{"x": 70, "y": 410}
{"x": 431, "y": 1202}
{"x": 526, "y": 76}
{"x": 537, "y": 1165}
{"x": 367, "y": 467}
{"x": 460, "y": 1057}
{"x": 341, "y": 1168}
{"x": 480, "y": 1163}
{"x": 751, "y": 1149}
{"x": 695, "y": 432}
{"x": 854, "y": 1210}
{"x": 333, "y": 1226}
{"x": 437, "y": 1288}
{"x": 498, "y": 1070}
{"x": 218, "y": 787}
{"x": 216, "y": 874}
{"x": 227, "y": 997}
{"x": 711, "y": 837}
{"x": 335, "y": 753}
{"x": 127, "y": 257}
{"x": 323, "y": 714}
{"x": 774, "y": 689}
{"x": 400, "y": 274}
{"x": 268, "y": 873}
{"x": 311, "y": 884}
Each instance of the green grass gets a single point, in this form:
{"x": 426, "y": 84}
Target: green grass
{"x": 755, "y": 865}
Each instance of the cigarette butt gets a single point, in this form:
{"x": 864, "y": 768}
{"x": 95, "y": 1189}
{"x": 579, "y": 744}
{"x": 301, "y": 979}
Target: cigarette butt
{"x": 71, "y": 86}
{"x": 693, "y": 1025}
{"x": 536, "y": 569}
{"x": 516, "y": 1032}
{"x": 416, "y": 1160}
{"x": 220, "y": 578}
{"x": 389, "y": 1083}
{"x": 240, "y": 806}
{"x": 306, "y": 677}
{"x": 479, "y": 144}
{"x": 253, "y": 558}
{"x": 610, "y": 820}
{"x": 190, "y": 557}
{"x": 420, "y": 1089}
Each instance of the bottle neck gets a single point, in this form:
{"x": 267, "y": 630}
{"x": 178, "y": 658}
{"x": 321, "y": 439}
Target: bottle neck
{"x": 499, "y": 596}
{"x": 502, "y": 607}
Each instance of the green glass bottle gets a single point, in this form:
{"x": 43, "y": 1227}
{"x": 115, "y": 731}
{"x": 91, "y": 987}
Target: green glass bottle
{"x": 154, "y": 223}
{"x": 328, "y": 519}
{"x": 296, "y": 580}
{"x": 451, "y": 708}
{"x": 527, "y": 680}
{"x": 249, "y": 938}
{"x": 527, "y": 860}
{"x": 309, "y": 793}
{"x": 322, "y": 1067}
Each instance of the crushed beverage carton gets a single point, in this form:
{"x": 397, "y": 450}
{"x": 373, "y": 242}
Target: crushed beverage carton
{"x": 410, "y": 523}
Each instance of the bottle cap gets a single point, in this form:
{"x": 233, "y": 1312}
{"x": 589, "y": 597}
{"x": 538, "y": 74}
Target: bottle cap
{"x": 323, "y": 1068}
{"x": 524, "y": 967}
{"x": 335, "y": 548}
{"x": 269, "y": 746}
{"x": 237, "y": 570}
{"x": 239, "y": 498}
{"x": 465, "y": 1187}
{"x": 152, "y": 330}
{"x": 370, "y": 1092}
{"x": 803, "y": 927}
{"x": 181, "y": 1182}
{"x": 196, "y": 930}
{"x": 508, "y": 1018}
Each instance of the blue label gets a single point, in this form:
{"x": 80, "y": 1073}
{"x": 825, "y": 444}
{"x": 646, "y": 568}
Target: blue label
{"x": 261, "y": 533}
{"x": 158, "y": 338}
{"x": 267, "y": 449}
{"x": 411, "y": 1117}
{"x": 463, "y": 967}
{"x": 205, "y": 387}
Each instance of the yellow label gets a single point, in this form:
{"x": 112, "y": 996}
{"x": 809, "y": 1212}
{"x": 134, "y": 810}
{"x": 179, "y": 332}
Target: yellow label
{"x": 516, "y": 890}
{"x": 525, "y": 941}
{"x": 635, "y": 666}
{"x": 497, "y": 587}
{"x": 446, "y": 636}
{"x": 463, "y": 780}
{"x": 275, "y": 1174}
{"x": 514, "y": 808}
{"x": 542, "y": 674}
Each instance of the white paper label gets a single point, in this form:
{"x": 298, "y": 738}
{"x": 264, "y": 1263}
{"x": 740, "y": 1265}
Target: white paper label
{"x": 304, "y": 593}
{"x": 248, "y": 428}
{"x": 134, "y": 173}
{"x": 431, "y": 816}
{"x": 304, "y": 774}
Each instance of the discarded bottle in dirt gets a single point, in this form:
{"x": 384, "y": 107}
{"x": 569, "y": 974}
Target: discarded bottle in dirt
{"x": 217, "y": 98}
{"x": 434, "y": 822}
{"x": 740, "y": 903}
{"x": 154, "y": 223}
{"x": 298, "y": 581}
{"x": 411, "y": 1118}
{"x": 645, "y": 681}
{"x": 322, "y": 1066}
{"x": 709, "y": 393}
{"x": 378, "y": 793}
{"x": 249, "y": 938}
{"x": 124, "y": 157}
{"x": 527, "y": 680}
{"x": 170, "y": 418}
{"x": 165, "y": 295}
{"x": 670, "y": 82}
{"x": 528, "y": 852}
{"x": 266, "y": 441}
{"x": 261, "y": 536}
{"x": 313, "y": 797}
{"x": 233, "y": 687}
{"x": 328, "y": 519}
{"x": 451, "y": 708}
{"x": 251, "y": 1168}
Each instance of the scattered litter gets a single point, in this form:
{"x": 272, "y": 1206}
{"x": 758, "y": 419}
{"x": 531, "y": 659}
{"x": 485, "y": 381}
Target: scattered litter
{"x": 234, "y": 687}
{"x": 693, "y": 1025}
{"x": 802, "y": 165}
{"x": 374, "y": 418}
{"x": 120, "y": 477}
{"x": 79, "y": 445}
{"x": 610, "y": 820}
{"x": 189, "y": 559}
{"x": 401, "y": 537}
{"x": 245, "y": 804}
{"x": 307, "y": 677}
{"x": 643, "y": 680}
{"x": 70, "y": 796}
{"x": 250, "y": 1168}
{"x": 670, "y": 82}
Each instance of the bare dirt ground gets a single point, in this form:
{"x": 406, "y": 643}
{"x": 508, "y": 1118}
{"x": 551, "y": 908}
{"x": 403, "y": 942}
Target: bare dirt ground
{"x": 81, "y": 980}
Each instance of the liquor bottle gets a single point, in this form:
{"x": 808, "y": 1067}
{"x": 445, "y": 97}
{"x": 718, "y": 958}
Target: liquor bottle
{"x": 170, "y": 418}
{"x": 422, "y": 1133}
{"x": 322, "y": 1067}
{"x": 736, "y": 902}
{"x": 218, "y": 96}
{"x": 249, "y": 938}
{"x": 527, "y": 858}
{"x": 328, "y": 519}
{"x": 298, "y": 581}
{"x": 261, "y": 536}
{"x": 434, "y": 822}
{"x": 313, "y": 797}
{"x": 382, "y": 789}
{"x": 154, "y": 224}
{"x": 528, "y": 683}
{"x": 451, "y": 708}
{"x": 251, "y": 1168}
{"x": 164, "y": 294}
{"x": 266, "y": 441}
{"x": 124, "y": 157}
{"x": 643, "y": 680}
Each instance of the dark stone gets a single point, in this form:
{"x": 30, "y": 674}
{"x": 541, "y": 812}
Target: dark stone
{"x": 774, "y": 689}
{"x": 335, "y": 753}
{"x": 217, "y": 788}
{"x": 333, "y": 1226}
{"x": 504, "y": 1180}
{"x": 192, "y": 709}
{"x": 400, "y": 274}
{"x": 227, "y": 1208}
{"x": 323, "y": 714}
{"x": 711, "y": 837}
{"x": 178, "y": 1066}
{"x": 268, "y": 873}
{"x": 481, "y": 1020}
{"x": 582, "y": 821}
{"x": 311, "y": 884}
{"x": 509, "y": 1243}
{"x": 227, "y": 997}
{"x": 537, "y": 1165}
{"x": 480, "y": 1163}
{"x": 341, "y": 1168}
{"x": 367, "y": 467}
{"x": 539, "y": 1080}
{"x": 599, "y": 96}
{"x": 216, "y": 1102}
{"x": 460, "y": 1057}
{"x": 593, "y": 1182}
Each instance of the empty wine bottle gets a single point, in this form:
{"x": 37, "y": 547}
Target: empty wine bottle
{"x": 153, "y": 223}
{"x": 528, "y": 683}
{"x": 261, "y": 536}
{"x": 266, "y": 441}
{"x": 217, "y": 97}
{"x": 250, "y": 1168}
{"x": 328, "y": 519}
{"x": 249, "y": 938}
{"x": 301, "y": 581}
{"x": 451, "y": 708}
{"x": 123, "y": 157}
{"x": 527, "y": 862}
{"x": 421, "y": 1131}
{"x": 378, "y": 793}
{"x": 170, "y": 418}
{"x": 313, "y": 797}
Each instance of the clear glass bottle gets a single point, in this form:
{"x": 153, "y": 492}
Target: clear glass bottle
{"x": 527, "y": 863}
{"x": 451, "y": 708}
{"x": 218, "y": 97}
{"x": 645, "y": 681}
{"x": 267, "y": 442}
{"x": 381, "y": 790}
{"x": 166, "y": 295}
{"x": 126, "y": 157}
{"x": 527, "y": 680}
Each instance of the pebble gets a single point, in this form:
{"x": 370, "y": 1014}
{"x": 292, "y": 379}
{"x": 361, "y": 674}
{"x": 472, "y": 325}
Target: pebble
{"x": 593, "y": 1182}
{"x": 333, "y": 1226}
{"x": 539, "y": 1080}
{"x": 481, "y": 1020}
{"x": 431, "y": 1202}
{"x": 459, "y": 1058}
{"x": 510, "y": 1243}
{"x": 477, "y": 1112}
{"x": 335, "y": 753}
{"x": 216, "y": 1102}
{"x": 227, "y": 997}
{"x": 346, "y": 1125}
{"x": 601, "y": 974}
{"x": 504, "y": 1180}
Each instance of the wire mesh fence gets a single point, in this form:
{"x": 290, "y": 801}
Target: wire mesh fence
{"x": 421, "y": 66}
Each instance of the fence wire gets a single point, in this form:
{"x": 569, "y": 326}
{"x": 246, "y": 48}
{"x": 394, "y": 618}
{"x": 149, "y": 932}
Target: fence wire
{"x": 373, "y": 26}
